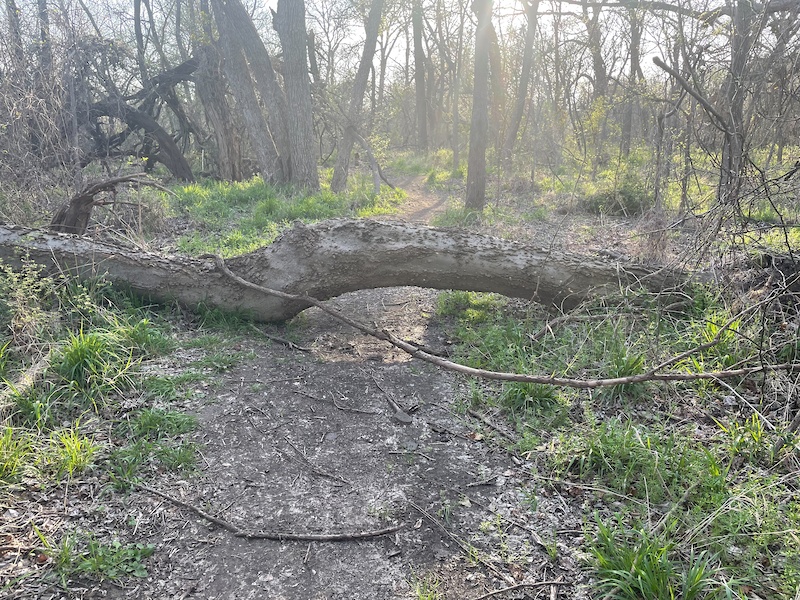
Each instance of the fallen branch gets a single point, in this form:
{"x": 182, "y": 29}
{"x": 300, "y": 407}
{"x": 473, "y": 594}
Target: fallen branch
{"x": 415, "y": 352}
{"x": 276, "y": 536}
{"x": 73, "y": 216}
{"x": 520, "y": 586}
{"x": 465, "y": 547}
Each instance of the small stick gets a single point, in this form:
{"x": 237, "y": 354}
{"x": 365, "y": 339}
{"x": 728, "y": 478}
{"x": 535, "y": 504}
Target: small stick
{"x": 489, "y": 424}
{"x": 461, "y": 544}
{"x": 290, "y": 344}
{"x": 276, "y": 536}
{"x": 316, "y": 470}
{"x": 520, "y": 586}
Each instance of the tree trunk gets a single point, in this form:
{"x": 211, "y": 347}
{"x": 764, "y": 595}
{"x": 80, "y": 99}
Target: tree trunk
{"x": 210, "y": 88}
{"x": 258, "y": 131}
{"x": 635, "y": 23}
{"x": 419, "y": 77}
{"x": 265, "y": 78}
{"x": 168, "y": 152}
{"x": 338, "y": 256}
{"x": 340, "y": 171}
{"x": 532, "y": 15}
{"x": 733, "y": 156}
{"x": 290, "y": 23}
{"x": 479, "y": 128}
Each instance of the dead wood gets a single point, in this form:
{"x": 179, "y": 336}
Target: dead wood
{"x": 73, "y": 216}
{"x": 651, "y": 375}
{"x": 279, "y": 536}
{"x": 333, "y": 257}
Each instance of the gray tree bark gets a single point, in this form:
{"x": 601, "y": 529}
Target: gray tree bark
{"x": 479, "y": 128}
{"x": 340, "y": 170}
{"x": 290, "y": 23}
{"x": 265, "y": 78}
{"x": 258, "y": 131}
{"x": 532, "y": 17}
{"x": 419, "y": 77}
{"x": 333, "y": 257}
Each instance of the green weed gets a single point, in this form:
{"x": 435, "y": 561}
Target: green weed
{"x": 633, "y": 564}
{"x": 426, "y": 588}
{"x": 95, "y": 365}
{"x": 636, "y": 461}
{"x": 72, "y": 452}
{"x": 85, "y": 556}
{"x": 153, "y": 423}
{"x": 15, "y": 447}
{"x": 178, "y": 458}
{"x": 748, "y": 439}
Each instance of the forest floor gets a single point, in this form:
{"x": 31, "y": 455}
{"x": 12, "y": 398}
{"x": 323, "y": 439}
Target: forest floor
{"x": 308, "y": 442}
{"x": 337, "y": 434}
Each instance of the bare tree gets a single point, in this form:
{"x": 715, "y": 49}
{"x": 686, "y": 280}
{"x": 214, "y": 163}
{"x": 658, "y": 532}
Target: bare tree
{"x": 419, "y": 77}
{"x": 479, "y": 129}
{"x": 357, "y": 97}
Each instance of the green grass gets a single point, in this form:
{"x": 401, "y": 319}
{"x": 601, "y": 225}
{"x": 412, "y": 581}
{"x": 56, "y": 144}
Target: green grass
{"x": 75, "y": 419}
{"x": 72, "y": 452}
{"x": 632, "y": 564}
{"x": 732, "y": 519}
{"x": 15, "y": 450}
{"x": 85, "y": 556}
{"x": 239, "y": 217}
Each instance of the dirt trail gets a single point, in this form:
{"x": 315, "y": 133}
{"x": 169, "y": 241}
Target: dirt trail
{"x": 422, "y": 204}
{"x": 308, "y": 442}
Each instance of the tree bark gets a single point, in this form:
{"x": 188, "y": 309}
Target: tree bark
{"x": 532, "y": 17}
{"x": 340, "y": 170}
{"x": 479, "y": 128}
{"x": 210, "y": 88}
{"x": 258, "y": 132}
{"x": 333, "y": 257}
{"x": 265, "y": 78}
{"x": 290, "y": 23}
{"x": 169, "y": 154}
{"x": 419, "y": 77}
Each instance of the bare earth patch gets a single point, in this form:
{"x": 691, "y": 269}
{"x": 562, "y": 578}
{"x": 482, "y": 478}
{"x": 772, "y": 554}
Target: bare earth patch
{"x": 300, "y": 442}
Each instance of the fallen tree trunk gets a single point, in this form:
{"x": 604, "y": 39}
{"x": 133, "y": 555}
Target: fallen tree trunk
{"x": 333, "y": 257}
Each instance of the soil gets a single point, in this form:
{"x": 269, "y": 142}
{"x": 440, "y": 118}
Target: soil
{"x": 312, "y": 442}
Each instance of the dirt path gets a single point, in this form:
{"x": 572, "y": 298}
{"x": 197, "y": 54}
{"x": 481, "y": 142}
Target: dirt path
{"x": 422, "y": 204}
{"x": 309, "y": 442}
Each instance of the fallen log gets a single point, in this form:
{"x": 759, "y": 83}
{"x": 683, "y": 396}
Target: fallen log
{"x": 333, "y": 257}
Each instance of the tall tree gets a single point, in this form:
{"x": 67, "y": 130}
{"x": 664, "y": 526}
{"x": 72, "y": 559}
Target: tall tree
{"x": 236, "y": 69}
{"x": 419, "y": 76}
{"x": 479, "y": 127}
{"x": 531, "y": 15}
{"x": 266, "y": 80}
{"x": 289, "y": 22}
{"x": 357, "y": 97}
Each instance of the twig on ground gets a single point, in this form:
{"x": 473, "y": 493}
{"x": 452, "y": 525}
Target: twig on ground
{"x": 485, "y": 420}
{"x": 316, "y": 470}
{"x": 519, "y": 586}
{"x": 276, "y": 536}
{"x": 399, "y": 414}
{"x": 466, "y": 548}
{"x": 290, "y": 344}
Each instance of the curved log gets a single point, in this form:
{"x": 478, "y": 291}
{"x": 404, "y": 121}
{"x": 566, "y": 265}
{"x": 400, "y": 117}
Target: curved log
{"x": 333, "y": 257}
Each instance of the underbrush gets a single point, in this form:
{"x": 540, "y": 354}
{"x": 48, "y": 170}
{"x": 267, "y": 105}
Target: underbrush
{"x": 235, "y": 218}
{"x": 698, "y": 480}
{"x": 80, "y": 407}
